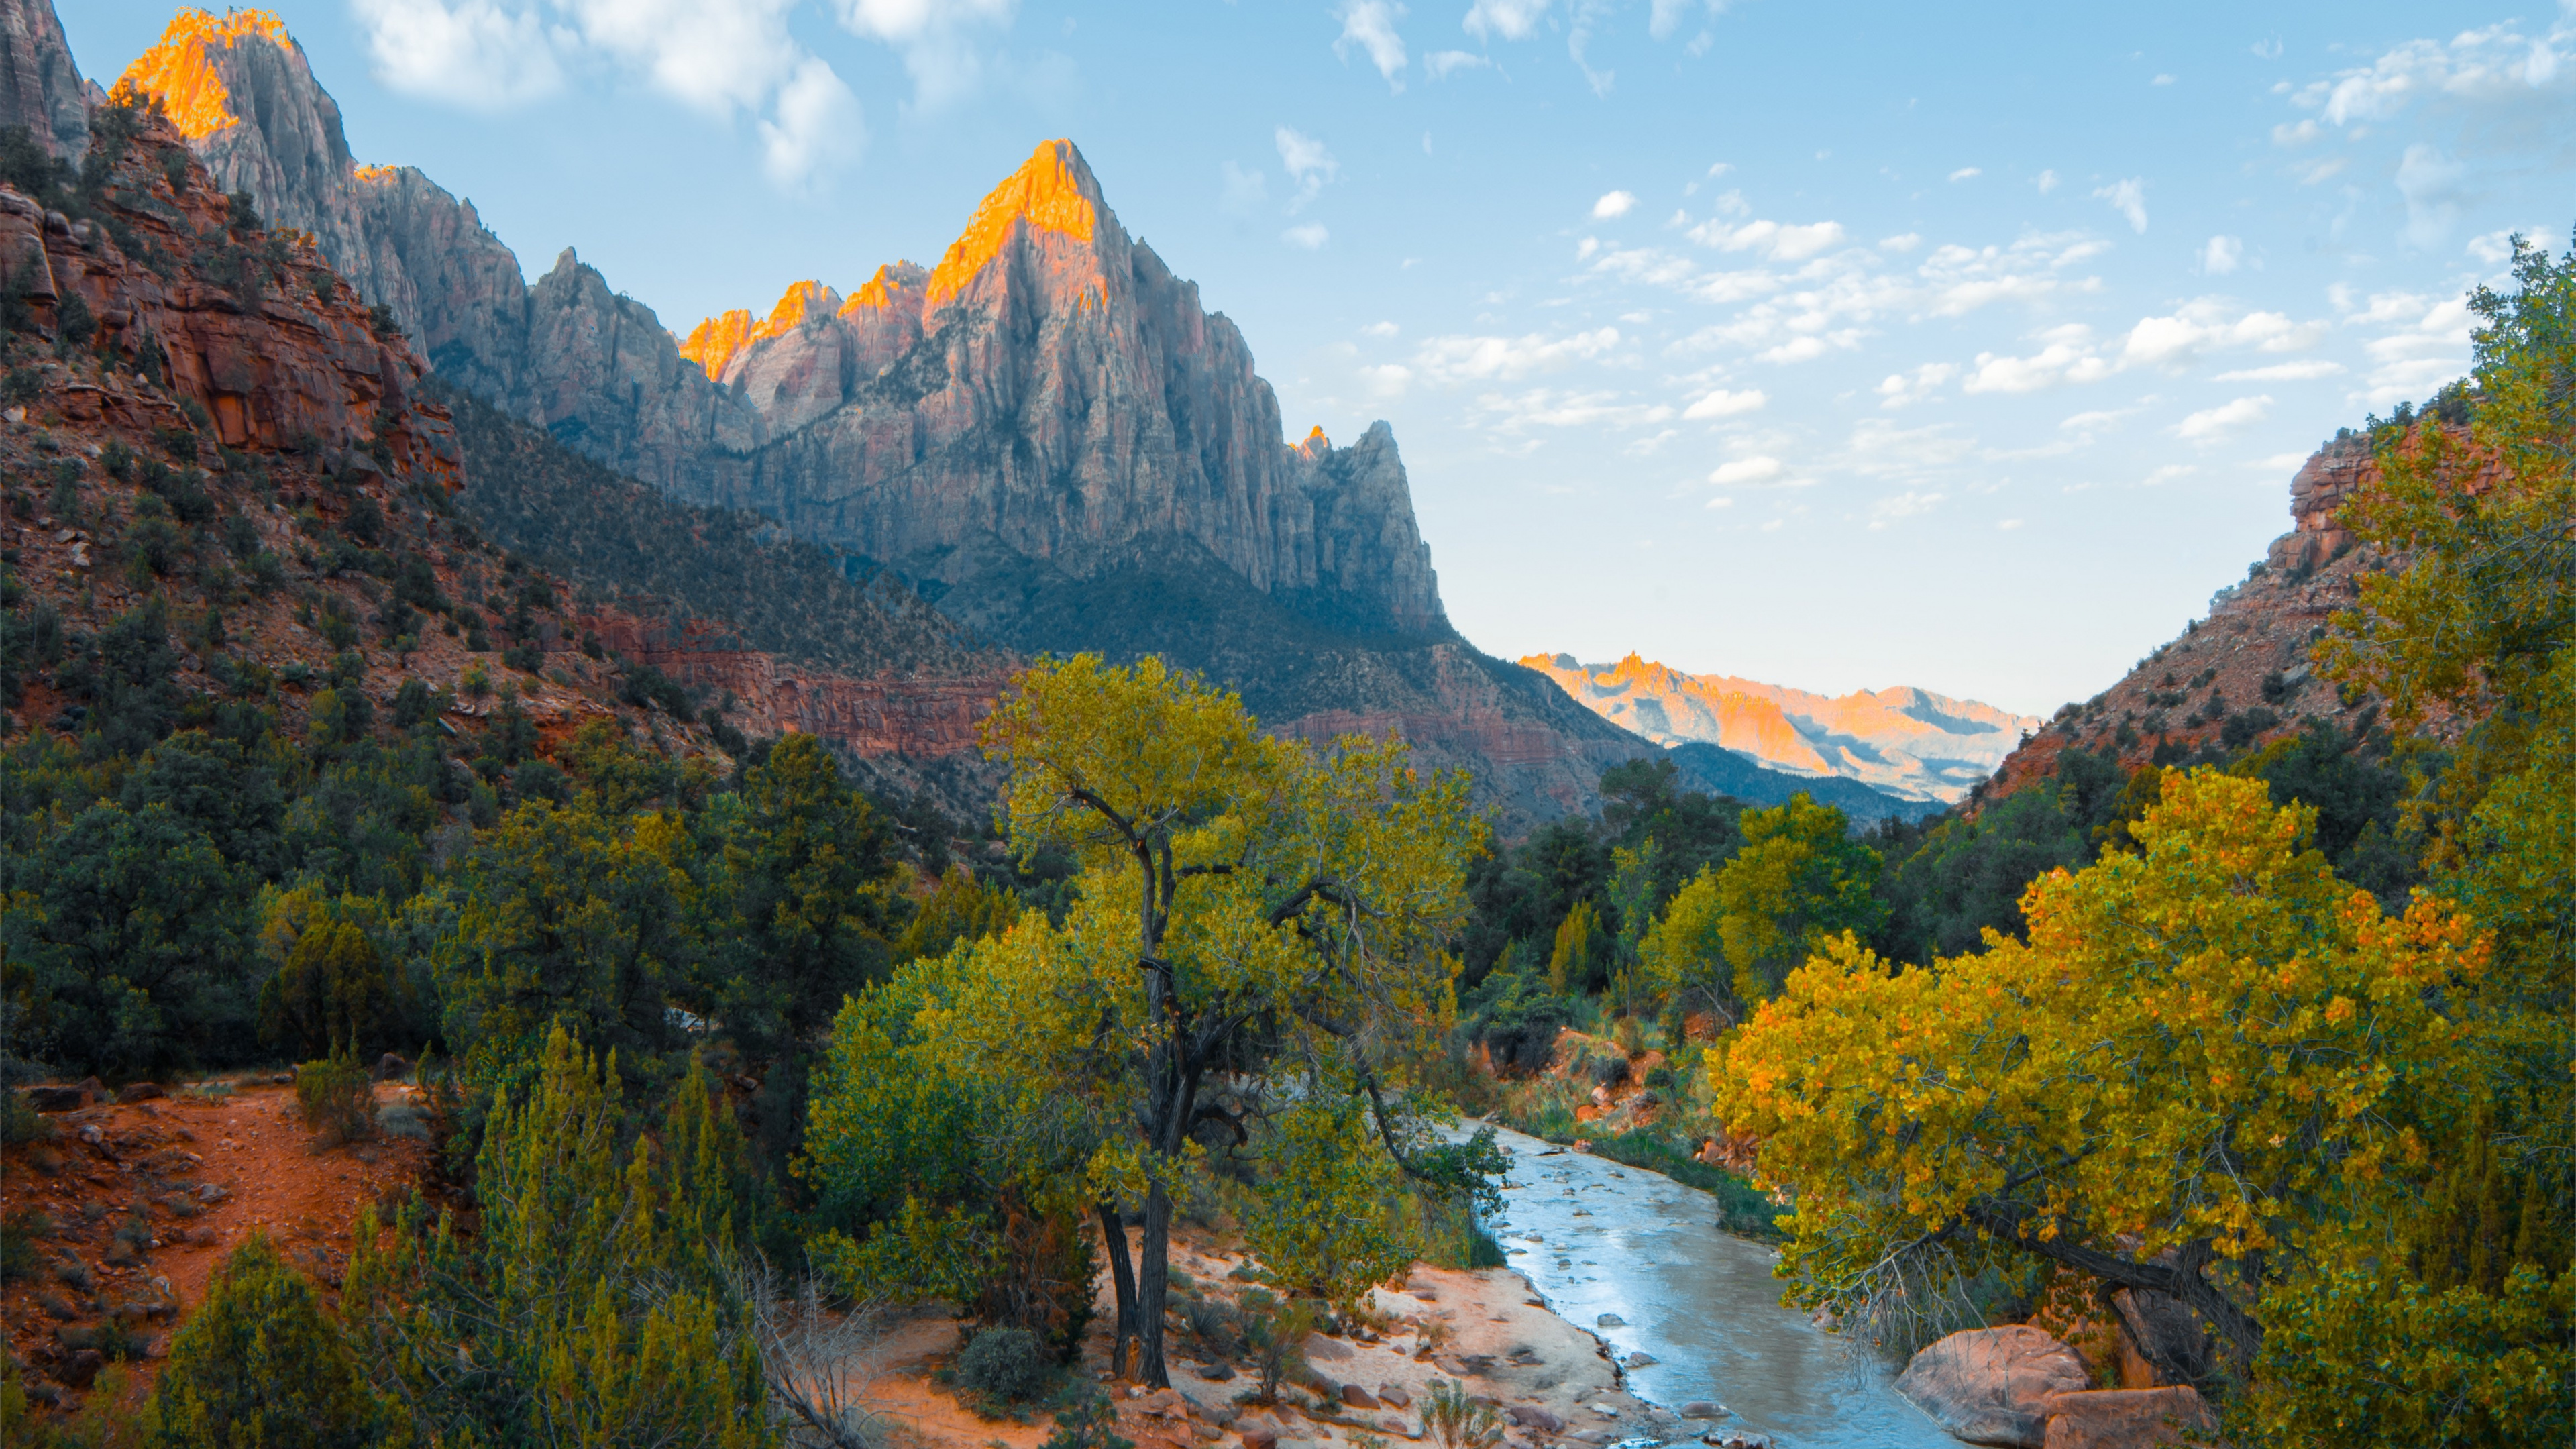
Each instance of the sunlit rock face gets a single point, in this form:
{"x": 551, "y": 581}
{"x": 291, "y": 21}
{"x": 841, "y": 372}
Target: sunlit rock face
{"x": 1907, "y": 742}
{"x": 1051, "y": 392}
{"x": 1048, "y": 396}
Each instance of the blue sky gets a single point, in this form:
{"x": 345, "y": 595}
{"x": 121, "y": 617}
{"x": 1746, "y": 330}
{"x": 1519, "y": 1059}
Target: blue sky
{"x": 1834, "y": 345}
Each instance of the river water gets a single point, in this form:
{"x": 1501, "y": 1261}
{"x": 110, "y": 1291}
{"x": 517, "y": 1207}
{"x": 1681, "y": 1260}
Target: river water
{"x": 1594, "y": 1238}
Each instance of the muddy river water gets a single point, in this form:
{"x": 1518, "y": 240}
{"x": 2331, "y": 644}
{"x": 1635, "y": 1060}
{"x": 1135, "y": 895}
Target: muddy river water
{"x": 1640, "y": 1260}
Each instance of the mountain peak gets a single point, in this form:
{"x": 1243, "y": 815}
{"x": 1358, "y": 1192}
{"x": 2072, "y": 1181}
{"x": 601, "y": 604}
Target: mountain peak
{"x": 1316, "y": 444}
{"x": 1053, "y": 190}
{"x": 178, "y": 69}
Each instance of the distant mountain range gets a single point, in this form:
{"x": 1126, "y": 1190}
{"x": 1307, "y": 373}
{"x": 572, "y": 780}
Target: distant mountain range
{"x": 1905, "y": 742}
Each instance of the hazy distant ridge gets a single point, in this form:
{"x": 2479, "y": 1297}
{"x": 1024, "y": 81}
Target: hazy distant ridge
{"x": 1903, "y": 741}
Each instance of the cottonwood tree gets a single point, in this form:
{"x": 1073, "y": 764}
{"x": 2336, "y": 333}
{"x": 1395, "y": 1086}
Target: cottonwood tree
{"x": 2210, "y": 1063}
{"x": 1250, "y": 907}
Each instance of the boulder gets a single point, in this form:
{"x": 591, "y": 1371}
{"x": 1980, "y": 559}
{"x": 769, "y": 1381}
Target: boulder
{"x": 1394, "y": 1396}
{"x": 2129, "y": 1419}
{"x": 1705, "y": 1409}
{"x": 1993, "y": 1385}
{"x": 1258, "y": 1433}
{"x": 139, "y": 1092}
{"x": 57, "y": 1099}
{"x": 1357, "y": 1397}
{"x": 1531, "y": 1416}
{"x": 1642, "y": 1360}
{"x": 391, "y": 1068}
{"x": 81, "y": 1367}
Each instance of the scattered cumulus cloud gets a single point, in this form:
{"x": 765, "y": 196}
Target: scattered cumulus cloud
{"x": 1440, "y": 63}
{"x": 1901, "y": 388}
{"x": 2067, "y": 356}
{"x": 1474, "y": 358}
{"x": 1721, "y": 403}
{"x": 1747, "y": 472}
{"x": 2129, "y": 198}
{"x": 1506, "y": 19}
{"x": 1380, "y": 329}
{"x": 1967, "y": 173}
{"x": 1311, "y": 235}
{"x": 1369, "y": 26}
{"x": 2208, "y": 324}
{"x": 1307, "y": 162}
{"x": 475, "y": 54}
{"x": 720, "y": 58}
{"x": 2492, "y": 66}
{"x": 2221, "y": 254}
{"x": 2210, "y": 424}
{"x": 1908, "y": 504}
{"x": 2046, "y": 181}
{"x": 1615, "y": 203}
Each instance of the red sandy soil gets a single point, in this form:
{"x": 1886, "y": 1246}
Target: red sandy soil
{"x": 159, "y": 1158}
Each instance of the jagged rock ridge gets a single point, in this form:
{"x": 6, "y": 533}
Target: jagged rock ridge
{"x": 1906, "y": 742}
{"x": 1045, "y": 434}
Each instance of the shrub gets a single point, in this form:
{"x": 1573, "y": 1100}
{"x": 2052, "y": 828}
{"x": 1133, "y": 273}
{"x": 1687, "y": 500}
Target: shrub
{"x": 1006, "y": 1365}
{"x": 338, "y": 1100}
{"x": 18, "y": 1234}
{"x": 1276, "y": 1329}
{"x": 1455, "y": 1421}
{"x": 259, "y": 1363}
{"x": 1091, "y": 1424}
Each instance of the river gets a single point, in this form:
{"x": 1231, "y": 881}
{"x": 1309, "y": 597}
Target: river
{"x": 1595, "y": 1238}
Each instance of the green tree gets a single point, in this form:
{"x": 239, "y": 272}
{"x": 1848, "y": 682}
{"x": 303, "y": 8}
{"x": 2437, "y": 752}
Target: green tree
{"x": 2211, "y": 1068}
{"x": 260, "y": 1363}
{"x": 591, "y": 1307}
{"x": 1245, "y": 902}
{"x": 1799, "y": 879}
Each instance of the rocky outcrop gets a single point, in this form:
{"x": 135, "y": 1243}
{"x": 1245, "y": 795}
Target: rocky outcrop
{"x": 2129, "y": 1419}
{"x": 1906, "y": 742}
{"x": 1050, "y": 391}
{"x": 40, "y": 88}
{"x": 1994, "y": 1385}
{"x": 2240, "y": 674}
{"x": 252, "y": 329}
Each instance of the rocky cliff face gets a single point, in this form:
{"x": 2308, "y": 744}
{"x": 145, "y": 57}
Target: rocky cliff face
{"x": 1906, "y": 742}
{"x": 40, "y": 88}
{"x": 1049, "y": 393}
{"x": 2240, "y": 674}
{"x": 1046, "y": 434}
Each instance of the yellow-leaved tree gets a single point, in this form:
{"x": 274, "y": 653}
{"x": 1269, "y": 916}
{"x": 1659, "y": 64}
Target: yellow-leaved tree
{"x": 1257, "y": 922}
{"x": 2210, "y": 1063}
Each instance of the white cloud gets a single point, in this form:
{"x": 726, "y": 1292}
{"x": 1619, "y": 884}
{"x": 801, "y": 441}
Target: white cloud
{"x": 1370, "y": 26}
{"x": 935, "y": 37}
{"x": 2297, "y": 133}
{"x": 1473, "y": 358}
{"x": 1665, "y": 16}
{"x": 1908, "y": 504}
{"x": 1901, "y": 242}
{"x": 2008, "y": 524}
{"x": 1380, "y": 329}
{"x": 1901, "y": 388}
{"x": 1723, "y": 404}
{"x": 713, "y": 57}
{"x": 2497, "y": 65}
{"x": 1510, "y": 19}
{"x": 2046, "y": 182}
{"x": 2212, "y": 423}
{"x": 815, "y": 126}
{"x": 2069, "y": 356}
{"x": 474, "y": 54}
{"x": 1307, "y": 162}
{"x": 1783, "y": 243}
{"x": 2207, "y": 323}
{"x": 2430, "y": 182}
{"x": 2162, "y": 80}
{"x": 1967, "y": 173}
{"x": 1614, "y": 203}
{"x": 2495, "y": 248}
{"x": 1310, "y": 236}
{"x": 1439, "y": 63}
{"x": 2129, "y": 198}
{"x": 2221, "y": 254}
{"x": 1746, "y": 472}
{"x": 1387, "y": 380}
{"x": 1721, "y": 501}
{"x": 2309, "y": 370}
{"x": 2423, "y": 342}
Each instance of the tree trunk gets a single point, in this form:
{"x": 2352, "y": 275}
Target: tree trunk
{"x": 1122, "y": 1277}
{"x": 1152, "y": 1280}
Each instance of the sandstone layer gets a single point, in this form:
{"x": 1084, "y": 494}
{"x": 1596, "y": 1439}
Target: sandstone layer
{"x": 40, "y": 88}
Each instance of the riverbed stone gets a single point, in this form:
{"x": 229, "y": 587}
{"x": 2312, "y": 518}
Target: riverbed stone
{"x": 2129, "y": 1419}
{"x": 1993, "y": 1385}
{"x": 1704, "y": 1409}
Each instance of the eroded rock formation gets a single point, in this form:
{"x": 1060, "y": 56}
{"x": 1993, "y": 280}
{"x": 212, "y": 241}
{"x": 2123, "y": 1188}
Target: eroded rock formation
{"x": 40, "y": 88}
